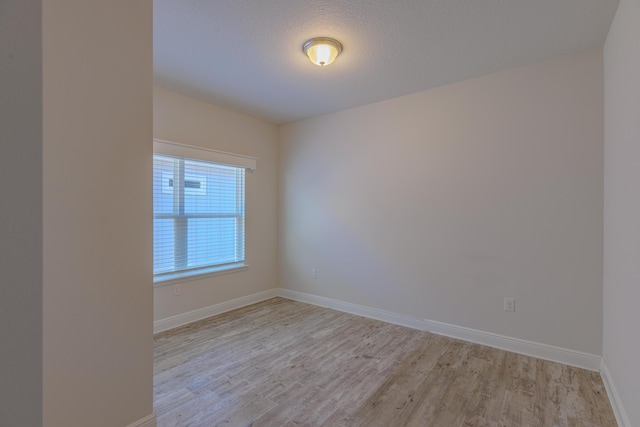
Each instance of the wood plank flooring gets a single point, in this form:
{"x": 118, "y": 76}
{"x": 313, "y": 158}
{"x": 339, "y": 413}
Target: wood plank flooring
{"x": 283, "y": 363}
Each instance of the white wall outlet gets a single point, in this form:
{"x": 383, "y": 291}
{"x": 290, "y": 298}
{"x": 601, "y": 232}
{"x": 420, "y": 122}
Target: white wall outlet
{"x": 509, "y": 304}
{"x": 176, "y": 290}
{"x": 314, "y": 273}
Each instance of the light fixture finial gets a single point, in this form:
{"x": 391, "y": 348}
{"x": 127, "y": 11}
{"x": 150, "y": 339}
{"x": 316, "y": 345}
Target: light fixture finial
{"x": 322, "y": 50}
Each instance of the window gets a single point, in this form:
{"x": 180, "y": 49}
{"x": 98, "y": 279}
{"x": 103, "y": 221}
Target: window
{"x": 198, "y": 211}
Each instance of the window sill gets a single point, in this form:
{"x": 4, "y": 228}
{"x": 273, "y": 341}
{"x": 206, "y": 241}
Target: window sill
{"x": 201, "y": 274}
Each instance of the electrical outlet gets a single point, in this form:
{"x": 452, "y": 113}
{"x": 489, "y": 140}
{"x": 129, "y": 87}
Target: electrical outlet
{"x": 509, "y": 304}
{"x": 176, "y": 290}
{"x": 314, "y": 273}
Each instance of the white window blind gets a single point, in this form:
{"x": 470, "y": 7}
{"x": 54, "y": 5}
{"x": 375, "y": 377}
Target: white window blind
{"x": 199, "y": 211}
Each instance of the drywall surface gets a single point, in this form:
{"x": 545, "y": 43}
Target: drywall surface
{"x": 186, "y": 120}
{"x": 622, "y": 207}
{"x": 439, "y": 204}
{"x": 97, "y": 165}
{"x": 21, "y": 213}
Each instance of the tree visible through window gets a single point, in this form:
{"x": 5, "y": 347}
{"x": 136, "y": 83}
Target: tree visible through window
{"x": 199, "y": 216}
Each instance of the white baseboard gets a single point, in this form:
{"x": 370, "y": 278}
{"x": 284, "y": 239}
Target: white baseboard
{"x": 347, "y": 307}
{"x": 212, "y": 310}
{"x": 529, "y": 348}
{"x": 616, "y": 404}
{"x": 148, "y": 421}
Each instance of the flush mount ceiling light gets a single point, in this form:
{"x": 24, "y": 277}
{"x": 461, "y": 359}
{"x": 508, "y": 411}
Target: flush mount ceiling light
{"x": 322, "y": 50}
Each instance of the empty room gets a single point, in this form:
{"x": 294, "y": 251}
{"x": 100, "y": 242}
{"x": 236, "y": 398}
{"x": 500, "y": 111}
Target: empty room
{"x": 320, "y": 213}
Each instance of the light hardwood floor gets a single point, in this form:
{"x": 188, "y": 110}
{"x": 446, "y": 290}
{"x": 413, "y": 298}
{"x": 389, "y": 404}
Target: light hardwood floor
{"x": 285, "y": 363}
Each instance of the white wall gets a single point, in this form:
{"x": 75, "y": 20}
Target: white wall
{"x": 97, "y": 166}
{"x": 21, "y": 213}
{"x": 621, "y": 348}
{"x": 439, "y": 204}
{"x": 190, "y": 121}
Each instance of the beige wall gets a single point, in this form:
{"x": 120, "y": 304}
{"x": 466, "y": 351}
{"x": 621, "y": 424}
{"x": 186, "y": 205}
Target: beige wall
{"x": 622, "y": 206}
{"x": 189, "y": 121}
{"x": 20, "y": 213}
{"x": 97, "y": 121}
{"x": 439, "y": 204}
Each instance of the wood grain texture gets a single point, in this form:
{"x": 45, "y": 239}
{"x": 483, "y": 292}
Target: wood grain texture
{"x": 286, "y": 363}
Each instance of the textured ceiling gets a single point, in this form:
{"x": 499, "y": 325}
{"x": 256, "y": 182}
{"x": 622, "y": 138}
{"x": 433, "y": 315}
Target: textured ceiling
{"x": 247, "y": 54}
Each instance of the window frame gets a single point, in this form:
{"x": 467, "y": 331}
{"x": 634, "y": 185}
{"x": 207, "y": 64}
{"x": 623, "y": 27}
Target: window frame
{"x": 187, "y": 152}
